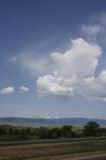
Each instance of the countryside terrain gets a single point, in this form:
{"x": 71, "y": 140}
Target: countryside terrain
{"x": 62, "y": 142}
{"x": 55, "y": 151}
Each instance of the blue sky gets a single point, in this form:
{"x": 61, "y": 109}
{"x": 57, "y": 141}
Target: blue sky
{"x": 52, "y": 58}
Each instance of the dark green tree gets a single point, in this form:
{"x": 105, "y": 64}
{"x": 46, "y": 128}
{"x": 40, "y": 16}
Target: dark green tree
{"x": 43, "y": 133}
{"x": 66, "y": 131}
{"x": 91, "y": 129}
{"x": 55, "y": 133}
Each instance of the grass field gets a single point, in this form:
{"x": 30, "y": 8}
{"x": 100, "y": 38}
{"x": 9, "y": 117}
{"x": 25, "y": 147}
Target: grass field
{"x": 48, "y": 151}
{"x": 5, "y": 138}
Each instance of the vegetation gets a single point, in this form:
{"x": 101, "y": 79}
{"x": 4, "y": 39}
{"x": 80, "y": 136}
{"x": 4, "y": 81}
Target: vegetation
{"x": 47, "y": 150}
{"x": 12, "y": 133}
{"x": 91, "y": 129}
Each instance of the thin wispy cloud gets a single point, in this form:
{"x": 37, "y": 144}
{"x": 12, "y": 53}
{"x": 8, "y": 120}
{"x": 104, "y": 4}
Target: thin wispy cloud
{"x": 13, "y": 59}
{"x": 95, "y": 28}
{"x": 35, "y": 65}
{"x": 91, "y": 30}
{"x": 24, "y": 89}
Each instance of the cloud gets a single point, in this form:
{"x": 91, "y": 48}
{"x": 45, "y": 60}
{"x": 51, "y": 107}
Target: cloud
{"x": 13, "y": 59}
{"x": 10, "y": 90}
{"x": 50, "y": 84}
{"x": 75, "y": 73}
{"x": 91, "y": 30}
{"x": 35, "y": 65}
{"x": 96, "y": 27}
{"x": 24, "y": 89}
{"x": 71, "y": 73}
{"x": 7, "y": 90}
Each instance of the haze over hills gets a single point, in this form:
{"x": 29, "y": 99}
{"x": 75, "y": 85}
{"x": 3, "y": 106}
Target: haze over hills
{"x": 49, "y": 121}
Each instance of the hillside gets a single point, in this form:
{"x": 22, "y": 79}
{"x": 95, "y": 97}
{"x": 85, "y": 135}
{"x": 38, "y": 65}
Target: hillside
{"x": 49, "y": 121}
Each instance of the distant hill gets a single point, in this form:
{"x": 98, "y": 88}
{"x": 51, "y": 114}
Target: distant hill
{"x": 49, "y": 121}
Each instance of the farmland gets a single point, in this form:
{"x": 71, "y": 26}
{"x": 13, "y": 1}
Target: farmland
{"x": 56, "y": 143}
{"x": 57, "y": 150}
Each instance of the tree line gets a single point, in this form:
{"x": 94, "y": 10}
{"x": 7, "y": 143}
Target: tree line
{"x": 91, "y": 129}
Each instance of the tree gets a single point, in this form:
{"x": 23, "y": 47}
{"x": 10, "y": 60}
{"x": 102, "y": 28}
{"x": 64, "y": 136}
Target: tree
{"x": 102, "y": 132}
{"x": 66, "y": 131}
{"x": 55, "y": 133}
{"x": 91, "y": 129}
{"x": 43, "y": 133}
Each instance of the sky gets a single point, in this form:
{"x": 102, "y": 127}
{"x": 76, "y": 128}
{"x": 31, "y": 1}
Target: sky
{"x": 53, "y": 58}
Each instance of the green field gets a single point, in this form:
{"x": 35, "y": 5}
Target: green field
{"x": 5, "y": 138}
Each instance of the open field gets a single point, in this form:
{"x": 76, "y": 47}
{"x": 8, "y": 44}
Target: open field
{"x": 5, "y": 138}
{"x": 55, "y": 151}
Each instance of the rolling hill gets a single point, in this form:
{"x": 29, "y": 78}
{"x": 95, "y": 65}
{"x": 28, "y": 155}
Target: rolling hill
{"x": 49, "y": 121}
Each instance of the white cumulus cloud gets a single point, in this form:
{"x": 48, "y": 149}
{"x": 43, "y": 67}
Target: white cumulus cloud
{"x": 75, "y": 73}
{"x": 7, "y": 90}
